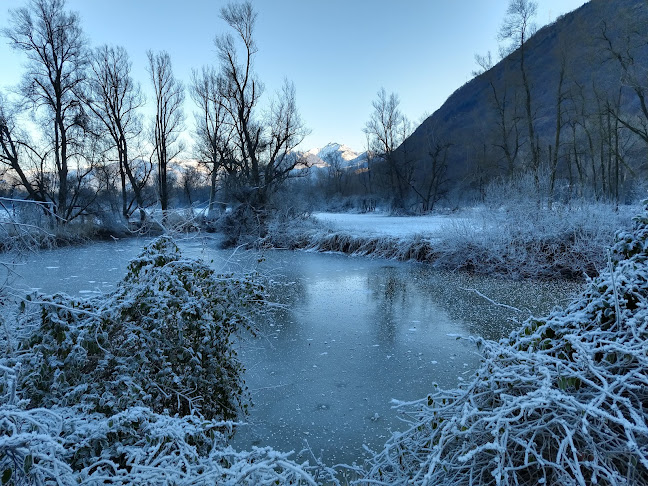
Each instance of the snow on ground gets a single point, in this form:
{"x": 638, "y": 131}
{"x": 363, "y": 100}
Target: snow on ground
{"x": 384, "y": 224}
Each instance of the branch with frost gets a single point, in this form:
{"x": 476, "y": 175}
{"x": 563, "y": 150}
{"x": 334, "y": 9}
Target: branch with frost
{"x": 18, "y": 234}
{"x": 173, "y": 222}
{"x": 498, "y": 304}
{"x": 31, "y": 449}
{"x": 67, "y": 446}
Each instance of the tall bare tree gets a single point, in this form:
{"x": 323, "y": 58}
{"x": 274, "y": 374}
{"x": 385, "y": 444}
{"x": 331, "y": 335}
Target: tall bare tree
{"x": 504, "y": 100}
{"x": 386, "y": 129}
{"x": 263, "y": 143}
{"x": 627, "y": 49}
{"x": 561, "y": 97}
{"x": 214, "y": 134}
{"x": 517, "y": 27}
{"x": 169, "y": 118}
{"x": 431, "y": 182}
{"x": 52, "y": 39}
{"x": 115, "y": 98}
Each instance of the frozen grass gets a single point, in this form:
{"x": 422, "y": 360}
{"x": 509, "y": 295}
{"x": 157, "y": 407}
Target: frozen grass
{"x": 518, "y": 242}
{"x": 526, "y": 242}
{"x": 382, "y": 224}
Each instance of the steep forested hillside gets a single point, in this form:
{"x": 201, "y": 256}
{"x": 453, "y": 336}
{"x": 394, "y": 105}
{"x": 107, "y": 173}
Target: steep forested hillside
{"x": 586, "y": 77}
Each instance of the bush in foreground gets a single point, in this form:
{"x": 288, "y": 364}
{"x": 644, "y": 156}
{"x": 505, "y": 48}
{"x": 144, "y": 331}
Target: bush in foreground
{"x": 162, "y": 340}
{"x": 562, "y": 401}
{"x": 136, "y": 387}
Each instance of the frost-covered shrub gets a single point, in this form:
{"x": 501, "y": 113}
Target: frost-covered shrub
{"x": 66, "y": 446}
{"x": 244, "y": 225}
{"x": 30, "y": 443}
{"x": 163, "y": 340}
{"x": 526, "y": 241}
{"x": 288, "y": 230}
{"x": 562, "y": 401}
{"x": 31, "y": 450}
{"x": 120, "y": 389}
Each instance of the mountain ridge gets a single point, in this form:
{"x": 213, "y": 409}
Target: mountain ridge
{"x": 332, "y": 154}
{"x": 467, "y": 119}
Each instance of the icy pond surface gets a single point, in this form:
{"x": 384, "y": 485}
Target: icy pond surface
{"x": 354, "y": 334}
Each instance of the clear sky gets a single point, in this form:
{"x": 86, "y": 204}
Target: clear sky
{"x": 338, "y": 53}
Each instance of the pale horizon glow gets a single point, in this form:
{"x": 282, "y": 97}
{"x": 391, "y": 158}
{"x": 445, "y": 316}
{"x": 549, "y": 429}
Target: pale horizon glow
{"x": 338, "y": 53}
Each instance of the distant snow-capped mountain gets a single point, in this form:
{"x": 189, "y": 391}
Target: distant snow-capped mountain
{"x": 333, "y": 155}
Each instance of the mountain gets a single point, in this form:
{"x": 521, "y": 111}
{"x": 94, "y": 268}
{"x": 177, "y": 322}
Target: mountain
{"x": 601, "y": 146}
{"x": 333, "y": 155}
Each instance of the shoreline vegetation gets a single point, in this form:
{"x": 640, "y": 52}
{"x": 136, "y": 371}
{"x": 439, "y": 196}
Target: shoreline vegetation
{"x": 570, "y": 382}
{"x": 567, "y": 243}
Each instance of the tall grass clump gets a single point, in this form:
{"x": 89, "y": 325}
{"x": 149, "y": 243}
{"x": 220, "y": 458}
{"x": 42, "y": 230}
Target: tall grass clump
{"x": 522, "y": 232}
{"x": 527, "y": 242}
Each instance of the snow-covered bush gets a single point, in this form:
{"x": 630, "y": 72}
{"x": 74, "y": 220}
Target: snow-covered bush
{"x": 163, "y": 340}
{"x": 136, "y": 387}
{"x": 562, "y": 401}
{"x": 65, "y": 446}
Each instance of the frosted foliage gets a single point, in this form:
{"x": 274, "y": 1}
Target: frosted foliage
{"x": 520, "y": 241}
{"x": 136, "y": 387}
{"x": 562, "y": 401}
{"x": 135, "y": 447}
{"x": 162, "y": 340}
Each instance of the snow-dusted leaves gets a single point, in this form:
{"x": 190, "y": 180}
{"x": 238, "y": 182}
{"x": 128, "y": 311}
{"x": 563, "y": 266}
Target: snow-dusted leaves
{"x": 66, "y": 446}
{"x": 163, "y": 340}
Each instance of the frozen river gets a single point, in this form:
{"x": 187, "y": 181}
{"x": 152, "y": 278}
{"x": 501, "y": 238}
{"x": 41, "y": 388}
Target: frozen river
{"x": 354, "y": 334}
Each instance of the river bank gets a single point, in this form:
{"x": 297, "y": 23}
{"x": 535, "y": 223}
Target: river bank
{"x": 564, "y": 243}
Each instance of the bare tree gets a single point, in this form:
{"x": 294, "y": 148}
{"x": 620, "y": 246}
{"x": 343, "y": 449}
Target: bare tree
{"x": 15, "y": 154}
{"x": 169, "y": 118}
{"x": 53, "y": 42}
{"x": 561, "y": 98}
{"x": 628, "y": 51}
{"x": 191, "y": 178}
{"x": 432, "y": 180}
{"x": 114, "y": 98}
{"x": 484, "y": 63}
{"x": 504, "y": 100}
{"x": 262, "y": 145}
{"x": 517, "y": 27}
{"x": 214, "y": 135}
{"x": 386, "y": 129}
{"x": 336, "y": 171}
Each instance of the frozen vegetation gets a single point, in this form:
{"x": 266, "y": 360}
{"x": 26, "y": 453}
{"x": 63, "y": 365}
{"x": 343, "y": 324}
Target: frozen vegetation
{"x": 112, "y": 390}
{"x": 140, "y": 386}
{"x": 562, "y": 401}
{"x": 513, "y": 240}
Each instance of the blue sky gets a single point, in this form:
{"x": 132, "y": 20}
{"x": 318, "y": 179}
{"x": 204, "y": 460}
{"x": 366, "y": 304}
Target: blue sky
{"x": 337, "y": 52}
